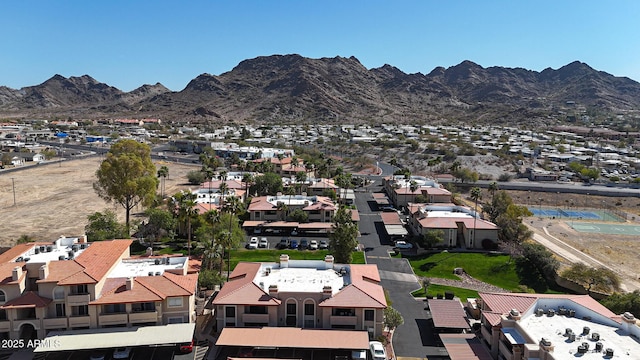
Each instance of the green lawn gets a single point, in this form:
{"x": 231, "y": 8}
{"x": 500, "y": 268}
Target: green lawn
{"x": 435, "y": 289}
{"x": 261, "y": 255}
{"x": 490, "y": 268}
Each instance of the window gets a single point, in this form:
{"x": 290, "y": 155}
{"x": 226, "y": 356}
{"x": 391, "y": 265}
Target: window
{"x": 3, "y": 315}
{"x": 80, "y": 289}
{"x": 309, "y": 309}
{"x": 58, "y": 293}
{"x": 174, "y": 302}
{"x": 369, "y": 315}
{"x": 291, "y": 308}
{"x": 61, "y": 310}
{"x": 141, "y": 307}
{"x": 3, "y": 297}
{"x": 114, "y": 308}
{"x": 230, "y": 311}
{"x": 81, "y": 310}
{"x": 257, "y": 309}
{"x": 175, "y": 320}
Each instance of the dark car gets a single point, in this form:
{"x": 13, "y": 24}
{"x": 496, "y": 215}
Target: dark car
{"x": 283, "y": 244}
{"x": 293, "y": 244}
{"x": 304, "y": 244}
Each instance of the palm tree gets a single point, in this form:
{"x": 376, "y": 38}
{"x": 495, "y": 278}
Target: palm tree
{"x": 232, "y": 206}
{"x": 187, "y": 210}
{"x": 301, "y": 177}
{"x": 224, "y": 189}
{"x": 282, "y": 209}
{"x": 247, "y": 178}
{"x": 475, "y": 195}
{"x": 413, "y": 186}
{"x": 163, "y": 173}
{"x": 213, "y": 217}
{"x": 493, "y": 187}
{"x": 208, "y": 172}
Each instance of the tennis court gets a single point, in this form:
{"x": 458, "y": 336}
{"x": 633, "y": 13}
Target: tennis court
{"x": 612, "y": 229}
{"x": 577, "y": 214}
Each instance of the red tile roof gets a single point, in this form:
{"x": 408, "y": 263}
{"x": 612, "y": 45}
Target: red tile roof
{"x": 364, "y": 290}
{"x": 241, "y": 290}
{"x": 115, "y": 292}
{"x": 6, "y": 272}
{"x": 391, "y": 218}
{"x": 448, "y": 314}
{"x": 29, "y": 299}
{"x": 13, "y": 253}
{"x": 60, "y": 270}
{"x": 100, "y": 257}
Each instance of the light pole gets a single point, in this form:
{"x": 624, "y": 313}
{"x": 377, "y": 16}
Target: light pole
{"x": 13, "y": 185}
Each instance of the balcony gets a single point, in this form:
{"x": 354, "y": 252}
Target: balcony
{"x": 80, "y": 321}
{"x": 343, "y": 320}
{"x": 255, "y": 318}
{"x": 55, "y": 323}
{"x": 77, "y": 300}
{"x": 113, "y": 319}
{"x": 143, "y": 317}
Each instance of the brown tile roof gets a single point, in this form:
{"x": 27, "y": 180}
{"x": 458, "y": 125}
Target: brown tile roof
{"x": 77, "y": 279}
{"x": 493, "y": 318}
{"x": 98, "y": 258}
{"x": 289, "y": 337}
{"x": 60, "y": 270}
{"x": 465, "y": 347}
{"x": 241, "y": 290}
{"x": 448, "y": 314}
{"x": 13, "y": 253}
{"x": 29, "y": 299}
{"x": 504, "y": 302}
{"x": 171, "y": 284}
{"x": 364, "y": 290}
{"x": 390, "y": 218}
{"x": 118, "y": 294}
{"x": 6, "y": 272}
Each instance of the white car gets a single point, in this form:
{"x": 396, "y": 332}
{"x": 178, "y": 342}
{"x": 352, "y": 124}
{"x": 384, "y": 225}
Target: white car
{"x": 313, "y": 245}
{"x": 264, "y": 243}
{"x": 122, "y": 353}
{"x": 403, "y": 245}
{"x": 253, "y": 243}
{"x": 377, "y": 350}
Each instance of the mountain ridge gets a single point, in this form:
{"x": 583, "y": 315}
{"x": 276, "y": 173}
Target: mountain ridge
{"x": 293, "y": 88}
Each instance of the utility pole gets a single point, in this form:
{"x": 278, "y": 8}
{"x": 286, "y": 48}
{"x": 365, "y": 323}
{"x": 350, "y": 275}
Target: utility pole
{"x": 13, "y": 185}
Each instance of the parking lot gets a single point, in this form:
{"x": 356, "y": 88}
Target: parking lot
{"x": 273, "y": 241}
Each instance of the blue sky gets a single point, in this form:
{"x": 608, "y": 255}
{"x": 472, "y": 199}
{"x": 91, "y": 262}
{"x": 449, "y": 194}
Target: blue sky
{"x": 127, "y": 43}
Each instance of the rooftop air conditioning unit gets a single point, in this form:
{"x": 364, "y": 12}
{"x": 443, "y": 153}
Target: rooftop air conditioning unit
{"x": 598, "y": 346}
{"x": 158, "y": 273}
{"x": 609, "y": 352}
{"x": 595, "y": 336}
{"x": 539, "y": 312}
{"x": 157, "y": 262}
{"x": 150, "y": 273}
{"x": 585, "y": 330}
{"x": 551, "y": 312}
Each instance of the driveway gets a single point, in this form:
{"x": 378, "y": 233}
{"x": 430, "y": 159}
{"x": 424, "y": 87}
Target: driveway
{"x": 415, "y": 338}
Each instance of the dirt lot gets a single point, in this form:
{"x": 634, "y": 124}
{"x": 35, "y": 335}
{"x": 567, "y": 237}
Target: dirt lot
{"x": 55, "y": 199}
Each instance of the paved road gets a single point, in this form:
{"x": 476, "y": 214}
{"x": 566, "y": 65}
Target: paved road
{"x": 415, "y": 337}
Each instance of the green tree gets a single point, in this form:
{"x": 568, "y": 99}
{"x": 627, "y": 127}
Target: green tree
{"x": 104, "y": 226}
{"x": 392, "y": 318}
{"x": 195, "y": 177}
{"x": 601, "y": 279}
{"x": 231, "y": 238}
{"x": 537, "y": 267}
{"x": 621, "y": 303}
{"x": 127, "y": 176}
{"x": 299, "y": 215}
{"x": 267, "y": 184}
{"x": 343, "y": 236}
{"x": 186, "y": 206}
{"x": 493, "y": 187}
{"x": 24, "y": 238}
{"x": 209, "y": 279}
{"x": 161, "y": 224}
{"x": 508, "y": 217}
{"x": 433, "y": 237}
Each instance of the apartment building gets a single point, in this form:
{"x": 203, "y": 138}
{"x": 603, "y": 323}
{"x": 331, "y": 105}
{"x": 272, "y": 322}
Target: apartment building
{"x": 277, "y": 208}
{"x": 71, "y": 284}
{"x": 555, "y": 327}
{"x": 309, "y": 294}
{"x": 402, "y": 191}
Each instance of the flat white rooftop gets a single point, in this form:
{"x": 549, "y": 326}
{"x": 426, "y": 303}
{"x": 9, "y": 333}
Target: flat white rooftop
{"x": 147, "y": 267}
{"x": 554, "y": 329}
{"x": 449, "y": 214}
{"x": 61, "y": 249}
{"x": 301, "y": 279}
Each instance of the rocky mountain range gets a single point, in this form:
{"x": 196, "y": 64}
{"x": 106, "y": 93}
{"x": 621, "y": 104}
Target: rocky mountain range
{"x": 292, "y": 88}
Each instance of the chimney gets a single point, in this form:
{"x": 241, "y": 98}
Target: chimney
{"x": 284, "y": 261}
{"x": 273, "y": 290}
{"x": 546, "y": 348}
{"x": 628, "y": 321}
{"x": 16, "y": 274}
{"x": 129, "y": 283}
{"x": 328, "y": 262}
{"x": 43, "y": 272}
{"x": 515, "y": 314}
{"x": 149, "y": 251}
{"x": 82, "y": 239}
{"x": 327, "y": 291}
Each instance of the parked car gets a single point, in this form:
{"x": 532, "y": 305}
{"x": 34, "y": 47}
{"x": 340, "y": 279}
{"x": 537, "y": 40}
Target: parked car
{"x": 98, "y": 355}
{"x": 313, "y": 245}
{"x": 253, "y": 243}
{"x": 324, "y": 244}
{"x": 284, "y": 243}
{"x": 377, "y": 350}
{"x": 304, "y": 244}
{"x": 388, "y": 209}
{"x": 293, "y": 244}
{"x": 401, "y": 244}
{"x": 263, "y": 243}
{"x": 122, "y": 353}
